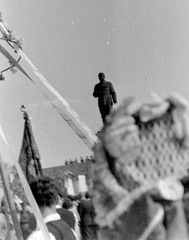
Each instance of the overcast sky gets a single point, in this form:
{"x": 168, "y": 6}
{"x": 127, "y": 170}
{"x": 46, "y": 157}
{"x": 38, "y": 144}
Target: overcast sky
{"x": 141, "y": 46}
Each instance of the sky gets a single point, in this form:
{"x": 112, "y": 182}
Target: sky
{"x": 141, "y": 46}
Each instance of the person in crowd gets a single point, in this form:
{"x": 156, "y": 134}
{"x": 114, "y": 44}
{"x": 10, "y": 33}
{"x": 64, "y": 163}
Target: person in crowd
{"x": 74, "y": 204}
{"x": 106, "y": 95}
{"x": 70, "y": 205}
{"x": 45, "y": 193}
{"x": 27, "y": 221}
{"x": 65, "y": 215}
{"x": 70, "y": 161}
{"x": 86, "y": 212}
{"x": 75, "y": 160}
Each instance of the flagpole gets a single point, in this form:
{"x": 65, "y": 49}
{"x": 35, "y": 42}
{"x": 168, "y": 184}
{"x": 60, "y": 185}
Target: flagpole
{"x": 10, "y": 201}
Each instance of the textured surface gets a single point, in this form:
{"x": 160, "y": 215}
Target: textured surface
{"x": 141, "y": 144}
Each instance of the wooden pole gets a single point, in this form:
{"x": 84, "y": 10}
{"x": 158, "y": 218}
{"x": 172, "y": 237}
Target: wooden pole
{"x": 10, "y": 201}
{"x": 7, "y": 216}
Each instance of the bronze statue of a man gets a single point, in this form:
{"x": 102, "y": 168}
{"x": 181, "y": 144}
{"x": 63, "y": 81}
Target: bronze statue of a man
{"x": 106, "y": 95}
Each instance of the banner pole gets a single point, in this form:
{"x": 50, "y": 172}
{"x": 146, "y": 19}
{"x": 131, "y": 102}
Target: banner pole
{"x": 10, "y": 201}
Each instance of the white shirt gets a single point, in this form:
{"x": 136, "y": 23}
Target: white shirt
{"x": 37, "y": 234}
{"x": 58, "y": 206}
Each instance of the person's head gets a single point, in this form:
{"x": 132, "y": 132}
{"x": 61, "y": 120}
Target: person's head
{"x": 67, "y": 203}
{"x": 87, "y": 195}
{"x": 79, "y": 197}
{"x": 45, "y": 192}
{"x": 101, "y": 76}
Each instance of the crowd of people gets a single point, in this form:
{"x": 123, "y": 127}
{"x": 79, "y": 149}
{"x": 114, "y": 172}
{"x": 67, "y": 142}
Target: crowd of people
{"x": 66, "y": 217}
{"x": 81, "y": 160}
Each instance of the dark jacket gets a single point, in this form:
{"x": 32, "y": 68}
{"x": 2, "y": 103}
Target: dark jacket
{"x": 67, "y": 216}
{"x": 60, "y": 230}
{"x": 86, "y": 212}
{"x": 105, "y": 93}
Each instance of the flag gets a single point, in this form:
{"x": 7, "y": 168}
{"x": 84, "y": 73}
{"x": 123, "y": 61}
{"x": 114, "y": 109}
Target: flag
{"x": 29, "y": 158}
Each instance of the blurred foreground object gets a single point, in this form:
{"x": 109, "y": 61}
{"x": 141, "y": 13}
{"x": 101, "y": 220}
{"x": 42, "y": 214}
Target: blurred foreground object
{"x": 141, "y": 163}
